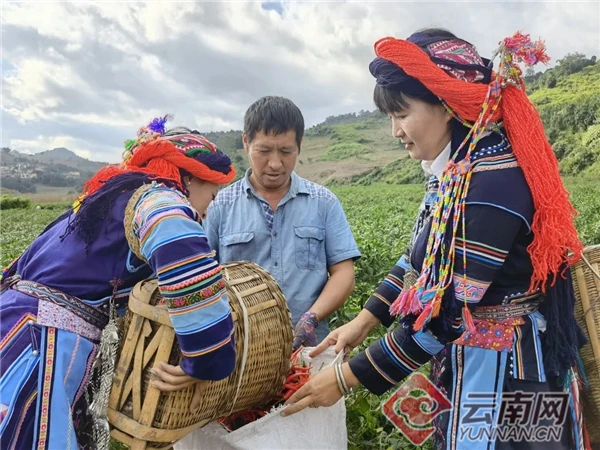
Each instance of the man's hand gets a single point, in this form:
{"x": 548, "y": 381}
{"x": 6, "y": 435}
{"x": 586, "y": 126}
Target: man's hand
{"x": 304, "y": 334}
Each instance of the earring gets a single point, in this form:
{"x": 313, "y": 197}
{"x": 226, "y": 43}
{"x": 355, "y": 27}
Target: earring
{"x": 189, "y": 183}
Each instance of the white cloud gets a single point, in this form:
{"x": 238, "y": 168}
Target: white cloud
{"x": 86, "y": 75}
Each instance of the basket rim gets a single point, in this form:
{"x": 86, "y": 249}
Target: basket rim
{"x": 591, "y": 247}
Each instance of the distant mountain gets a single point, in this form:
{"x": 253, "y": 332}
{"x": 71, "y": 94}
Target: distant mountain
{"x": 59, "y": 152}
{"x": 55, "y": 156}
{"x": 58, "y": 167}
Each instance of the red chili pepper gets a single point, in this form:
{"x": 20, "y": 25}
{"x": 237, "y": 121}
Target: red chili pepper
{"x": 297, "y": 377}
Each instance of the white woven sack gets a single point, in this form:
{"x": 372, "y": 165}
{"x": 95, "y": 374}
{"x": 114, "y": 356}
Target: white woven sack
{"x": 312, "y": 428}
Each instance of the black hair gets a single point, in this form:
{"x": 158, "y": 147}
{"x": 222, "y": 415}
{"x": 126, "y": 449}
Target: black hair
{"x": 390, "y": 100}
{"x": 275, "y": 115}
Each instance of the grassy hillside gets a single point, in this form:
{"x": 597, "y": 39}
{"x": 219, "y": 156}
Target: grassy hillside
{"x": 571, "y": 114}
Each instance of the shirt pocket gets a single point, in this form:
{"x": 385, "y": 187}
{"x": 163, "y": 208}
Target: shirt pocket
{"x": 309, "y": 247}
{"x": 239, "y": 246}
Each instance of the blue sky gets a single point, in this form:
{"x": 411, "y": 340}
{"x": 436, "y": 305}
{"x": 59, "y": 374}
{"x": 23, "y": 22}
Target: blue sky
{"x": 86, "y": 75}
{"x": 273, "y": 6}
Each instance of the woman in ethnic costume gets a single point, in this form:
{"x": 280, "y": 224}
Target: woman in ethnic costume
{"x": 484, "y": 292}
{"x": 137, "y": 221}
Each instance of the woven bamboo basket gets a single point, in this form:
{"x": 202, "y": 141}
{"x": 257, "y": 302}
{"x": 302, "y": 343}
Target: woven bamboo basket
{"x": 586, "y": 277}
{"x": 143, "y": 417}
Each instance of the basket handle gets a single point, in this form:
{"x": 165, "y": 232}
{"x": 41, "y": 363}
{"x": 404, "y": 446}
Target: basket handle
{"x": 587, "y": 263}
{"x": 589, "y": 320}
{"x": 245, "y": 348}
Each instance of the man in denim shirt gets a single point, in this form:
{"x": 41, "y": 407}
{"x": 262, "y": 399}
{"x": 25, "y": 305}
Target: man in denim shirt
{"x": 295, "y": 229}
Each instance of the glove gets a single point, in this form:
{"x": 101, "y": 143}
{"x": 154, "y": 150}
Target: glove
{"x": 304, "y": 333}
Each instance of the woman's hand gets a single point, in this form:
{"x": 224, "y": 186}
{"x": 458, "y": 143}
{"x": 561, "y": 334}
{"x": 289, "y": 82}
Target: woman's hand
{"x": 169, "y": 378}
{"x": 321, "y": 390}
{"x": 350, "y": 335}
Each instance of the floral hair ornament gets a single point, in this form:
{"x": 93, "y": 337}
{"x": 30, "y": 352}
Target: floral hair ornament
{"x": 518, "y": 49}
{"x": 147, "y": 133}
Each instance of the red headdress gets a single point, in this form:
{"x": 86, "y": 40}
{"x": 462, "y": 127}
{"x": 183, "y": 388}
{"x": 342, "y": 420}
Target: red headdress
{"x": 555, "y": 242}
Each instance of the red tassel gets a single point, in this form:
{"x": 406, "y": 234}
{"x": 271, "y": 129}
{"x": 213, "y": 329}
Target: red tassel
{"x": 415, "y": 304}
{"x": 423, "y": 317}
{"x": 403, "y": 304}
{"x": 397, "y": 306}
{"x": 437, "y": 305}
{"x": 468, "y": 320}
{"x": 553, "y": 222}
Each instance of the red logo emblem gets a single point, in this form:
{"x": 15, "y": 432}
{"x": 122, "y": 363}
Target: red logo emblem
{"x": 413, "y": 407}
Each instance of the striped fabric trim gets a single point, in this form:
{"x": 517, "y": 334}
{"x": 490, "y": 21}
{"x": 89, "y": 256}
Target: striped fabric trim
{"x": 168, "y": 271}
{"x": 159, "y": 199}
{"x": 380, "y": 297}
{"x": 206, "y": 350}
{"x": 154, "y": 220}
{"x": 192, "y": 280}
{"x": 378, "y": 369}
{"x": 482, "y": 253}
{"x": 519, "y": 371}
{"x": 457, "y": 378}
{"x": 394, "y": 282}
{"x": 49, "y": 346}
{"x": 502, "y": 161}
{"x": 397, "y": 355}
{"x": 203, "y": 290}
{"x": 168, "y": 217}
{"x": 508, "y": 165}
{"x": 185, "y": 273}
{"x": 17, "y": 329}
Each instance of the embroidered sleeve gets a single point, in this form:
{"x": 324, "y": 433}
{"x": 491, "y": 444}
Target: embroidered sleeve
{"x": 173, "y": 242}
{"x": 491, "y": 232}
